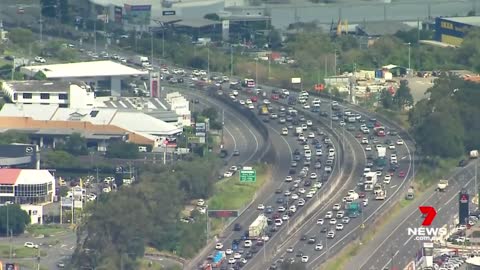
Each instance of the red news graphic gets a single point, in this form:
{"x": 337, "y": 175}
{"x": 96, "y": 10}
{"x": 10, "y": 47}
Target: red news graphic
{"x": 429, "y": 213}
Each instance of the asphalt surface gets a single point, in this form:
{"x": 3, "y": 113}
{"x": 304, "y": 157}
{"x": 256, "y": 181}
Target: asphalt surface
{"x": 394, "y": 244}
{"x": 285, "y": 145}
{"x": 351, "y": 231}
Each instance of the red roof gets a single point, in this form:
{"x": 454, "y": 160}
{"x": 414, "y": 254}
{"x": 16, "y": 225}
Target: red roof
{"x": 9, "y": 176}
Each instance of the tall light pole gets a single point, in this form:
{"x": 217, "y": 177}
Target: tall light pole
{"x": 95, "y": 35}
{"x": 409, "y": 49}
{"x": 231, "y": 61}
{"x": 208, "y": 63}
{"x": 151, "y": 46}
{"x": 256, "y": 71}
{"x": 163, "y": 42}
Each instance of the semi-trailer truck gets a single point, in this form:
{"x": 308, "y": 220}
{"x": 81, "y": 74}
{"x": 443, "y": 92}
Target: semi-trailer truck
{"x": 140, "y": 61}
{"x": 256, "y": 229}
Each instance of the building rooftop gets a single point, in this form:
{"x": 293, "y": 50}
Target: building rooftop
{"x": 381, "y": 29}
{"x": 41, "y": 112}
{"x": 24, "y": 176}
{"x": 196, "y": 23}
{"x": 83, "y": 69}
{"x": 470, "y": 20}
{"x": 473, "y": 261}
{"x": 42, "y": 86}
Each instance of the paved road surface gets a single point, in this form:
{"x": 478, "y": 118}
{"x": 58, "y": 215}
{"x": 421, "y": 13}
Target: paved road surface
{"x": 392, "y": 242}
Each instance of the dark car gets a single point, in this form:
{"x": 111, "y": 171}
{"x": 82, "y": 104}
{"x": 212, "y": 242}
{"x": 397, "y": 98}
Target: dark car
{"x": 237, "y": 227}
{"x": 312, "y": 240}
{"x": 236, "y": 153}
{"x": 462, "y": 163}
{"x": 324, "y": 230}
{"x": 223, "y": 153}
{"x": 249, "y": 255}
{"x": 304, "y": 237}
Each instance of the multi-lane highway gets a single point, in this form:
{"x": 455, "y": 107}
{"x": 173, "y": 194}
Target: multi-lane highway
{"x": 311, "y": 229}
{"x": 395, "y": 247}
{"x": 288, "y": 145}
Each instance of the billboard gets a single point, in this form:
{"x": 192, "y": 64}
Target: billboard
{"x": 463, "y": 204}
{"x": 154, "y": 84}
{"x": 118, "y": 14}
{"x": 138, "y": 14}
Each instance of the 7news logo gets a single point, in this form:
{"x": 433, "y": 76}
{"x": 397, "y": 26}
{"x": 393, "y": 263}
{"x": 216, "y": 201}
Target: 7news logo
{"x": 426, "y": 232}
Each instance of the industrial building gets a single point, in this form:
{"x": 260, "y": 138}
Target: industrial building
{"x": 452, "y": 30}
{"x": 32, "y": 189}
{"x": 19, "y": 156}
{"x": 99, "y": 75}
{"x": 61, "y": 93}
{"x": 49, "y": 124}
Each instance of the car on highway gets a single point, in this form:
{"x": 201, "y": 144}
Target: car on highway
{"x": 218, "y": 246}
{"x": 260, "y": 207}
{"x": 30, "y": 245}
{"x": 331, "y": 234}
{"x": 318, "y": 247}
{"x": 333, "y": 221}
{"x": 401, "y": 174}
{"x": 399, "y": 142}
{"x": 339, "y": 227}
{"x": 345, "y": 220}
{"x": 336, "y": 207}
{"x": 329, "y": 215}
{"x": 305, "y": 259}
{"x": 387, "y": 178}
{"x": 320, "y": 221}
{"x": 290, "y": 250}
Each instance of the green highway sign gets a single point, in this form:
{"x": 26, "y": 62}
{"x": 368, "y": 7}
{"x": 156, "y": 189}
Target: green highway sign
{"x": 248, "y": 176}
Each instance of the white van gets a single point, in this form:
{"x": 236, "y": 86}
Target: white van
{"x": 142, "y": 149}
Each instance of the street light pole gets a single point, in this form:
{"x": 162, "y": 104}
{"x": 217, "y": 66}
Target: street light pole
{"x": 256, "y": 71}
{"x": 231, "y": 61}
{"x": 95, "y": 36}
{"x": 409, "y": 55}
{"x": 208, "y": 62}
{"x": 163, "y": 42}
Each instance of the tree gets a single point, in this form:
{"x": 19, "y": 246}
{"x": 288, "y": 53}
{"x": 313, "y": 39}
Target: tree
{"x": 210, "y": 113}
{"x": 386, "y": 99}
{"x": 39, "y": 76}
{"x": 17, "y": 219}
{"x": 275, "y": 39}
{"x": 49, "y": 8}
{"x": 403, "y": 98}
{"x": 122, "y": 150}
{"x": 21, "y": 37}
{"x": 64, "y": 11}
{"x": 13, "y": 137}
{"x": 76, "y": 145}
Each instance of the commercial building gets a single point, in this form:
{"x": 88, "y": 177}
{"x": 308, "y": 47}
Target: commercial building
{"x": 99, "y": 75}
{"x": 19, "y": 156}
{"x": 61, "y": 93}
{"x": 473, "y": 263}
{"x": 49, "y": 124}
{"x": 32, "y": 189}
{"x": 452, "y": 30}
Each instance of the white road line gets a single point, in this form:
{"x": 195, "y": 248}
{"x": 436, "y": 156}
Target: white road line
{"x": 113, "y": 104}
{"x": 161, "y": 104}
{"x": 408, "y": 240}
{"x": 394, "y": 186}
{"x": 131, "y": 103}
{"x": 123, "y": 104}
{"x": 233, "y": 138}
{"x": 390, "y": 260}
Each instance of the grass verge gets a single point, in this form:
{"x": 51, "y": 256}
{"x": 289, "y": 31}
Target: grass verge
{"x": 230, "y": 194}
{"x": 30, "y": 265}
{"x": 400, "y": 118}
{"x": 47, "y": 230}
{"x": 430, "y": 171}
{"x": 20, "y": 252}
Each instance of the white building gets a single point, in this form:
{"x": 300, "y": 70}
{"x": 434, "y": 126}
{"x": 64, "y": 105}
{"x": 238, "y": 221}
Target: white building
{"x": 32, "y": 189}
{"x": 100, "y": 75}
{"x": 61, "y": 93}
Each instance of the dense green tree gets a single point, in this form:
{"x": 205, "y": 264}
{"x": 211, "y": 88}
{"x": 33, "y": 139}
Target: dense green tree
{"x": 13, "y": 137}
{"x": 122, "y": 150}
{"x": 40, "y": 76}
{"x": 49, "y": 8}
{"x": 386, "y": 99}
{"x": 403, "y": 97}
{"x": 64, "y": 10}
{"x": 275, "y": 40}
{"x": 210, "y": 113}
{"x": 59, "y": 159}
{"x": 17, "y": 219}
{"x": 76, "y": 145}
{"x": 21, "y": 37}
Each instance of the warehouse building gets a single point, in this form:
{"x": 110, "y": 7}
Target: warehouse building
{"x": 452, "y": 30}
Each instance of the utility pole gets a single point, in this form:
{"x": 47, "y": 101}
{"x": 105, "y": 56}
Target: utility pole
{"x": 151, "y": 46}
{"x": 256, "y": 71}
{"x": 231, "y": 61}
{"x": 41, "y": 26}
{"x": 223, "y": 127}
{"x": 163, "y": 42}
{"x": 95, "y": 35}
{"x": 335, "y": 62}
{"x": 208, "y": 62}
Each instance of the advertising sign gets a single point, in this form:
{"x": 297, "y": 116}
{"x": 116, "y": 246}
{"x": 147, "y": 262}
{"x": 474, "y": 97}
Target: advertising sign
{"x": 463, "y": 207}
{"x": 118, "y": 14}
{"x": 138, "y": 14}
{"x": 296, "y": 80}
{"x": 154, "y": 84}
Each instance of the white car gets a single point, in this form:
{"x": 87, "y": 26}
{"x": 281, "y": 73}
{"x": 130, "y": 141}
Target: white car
{"x": 293, "y": 208}
{"x": 235, "y": 92}
{"x": 391, "y": 146}
{"x": 200, "y": 202}
{"x": 306, "y": 106}
{"x": 261, "y": 207}
{"x": 364, "y": 141}
{"x": 304, "y": 259}
{"x": 320, "y": 221}
{"x": 285, "y": 217}
{"x": 311, "y": 135}
{"x": 333, "y": 221}
{"x": 310, "y": 195}
{"x": 342, "y": 123}
{"x": 340, "y": 214}
{"x": 304, "y": 127}
{"x": 233, "y": 168}
{"x": 387, "y": 179}
{"x": 399, "y": 142}
{"x": 249, "y": 101}
{"x": 287, "y": 193}
{"x": 345, "y": 220}
{"x": 365, "y": 202}
{"x": 219, "y": 246}
{"x": 30, "y": 245}
{"x": 368, "y": 148}
{"x": 40, "y": 59}
{"x": 309, "y": 123}
{"x": 281, "y": 209}
{"x": 266, "y": 101}
{"x": 232, "y": 261}
{"x": 313, "y": 175}
{"x": 278, "y": 222}
{"x": 294, "y": 196}
{"x": 336, "y": 207}
{"x": 331, "y": 234}
{"x": 329, "y": 214}
{"x": 237, "y": 255}
{"x": 317, "y": 185}
{"x": 339, "y": 227}
{"x": 318, "y": 247}
{"x": 301, "y": 190}
{"x": 318, "y": 152}
{"x": 229, "y": 251}
{"x": 251, "y": 107}
{"x": 301, "y": 202}
{"x": 289, "y": 178}
{"x": 289, "y": 250}
{"x": 228, "y": 174}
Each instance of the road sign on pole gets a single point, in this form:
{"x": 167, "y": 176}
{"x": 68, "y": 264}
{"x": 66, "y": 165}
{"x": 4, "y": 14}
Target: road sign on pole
{"x": 248, "y": 176}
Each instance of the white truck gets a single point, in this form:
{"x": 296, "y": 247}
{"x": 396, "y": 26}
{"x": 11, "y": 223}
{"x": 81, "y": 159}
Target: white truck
{"x": 370, "y": 180}
{"x": 442, "y": 185}
{"x": 140, "y": 61}
{"x": 298, "y": 130}
{"x": 381, "y": 151}
{"x": 256, "y": 229}
{"x": 474, "y": 154}
{"x": 380, "y": 192}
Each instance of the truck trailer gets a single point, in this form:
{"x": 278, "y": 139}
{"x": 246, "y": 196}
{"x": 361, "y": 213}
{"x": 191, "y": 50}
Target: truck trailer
{"x": 256, "y": 229}
{"x": 139, "y": 60}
